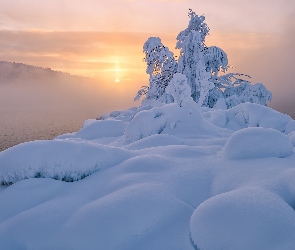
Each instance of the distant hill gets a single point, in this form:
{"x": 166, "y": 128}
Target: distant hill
{"x": 12, "y": 71}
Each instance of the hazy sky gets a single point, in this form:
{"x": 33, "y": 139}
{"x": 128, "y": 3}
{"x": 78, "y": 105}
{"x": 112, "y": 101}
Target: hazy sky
{"x": 104, "y": 39}
{"x": 142, "y": 15}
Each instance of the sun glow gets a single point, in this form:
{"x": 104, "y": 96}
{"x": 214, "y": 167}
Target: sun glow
{"x": 117, "y": 72}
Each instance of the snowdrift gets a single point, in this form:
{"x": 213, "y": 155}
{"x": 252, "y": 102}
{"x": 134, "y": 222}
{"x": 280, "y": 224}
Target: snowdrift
{"x": 165, "y": 177}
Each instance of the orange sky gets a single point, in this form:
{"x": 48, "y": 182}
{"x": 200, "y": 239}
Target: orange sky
{"x": 103, "y": 39}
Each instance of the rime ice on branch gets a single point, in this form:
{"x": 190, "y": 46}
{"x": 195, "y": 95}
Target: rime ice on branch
{"x": 204, "y": 68}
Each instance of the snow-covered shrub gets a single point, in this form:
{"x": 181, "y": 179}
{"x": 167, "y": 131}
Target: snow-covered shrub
{"x": 255, "y": 93}
{"x": 245, "y": 92}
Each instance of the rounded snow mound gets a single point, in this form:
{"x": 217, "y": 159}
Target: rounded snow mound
{"x": 257, "y": 143}
{"x": 98, "y": 129}
{"x": 250, "y": 218}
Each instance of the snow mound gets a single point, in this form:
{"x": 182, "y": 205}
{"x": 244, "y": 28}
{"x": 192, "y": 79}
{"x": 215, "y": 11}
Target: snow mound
{"x": 290, "y": 127}
{"x": 168, "y": 119}
{"x": 154, "y": 141}
{"x": 250, "y": 218}
{"x": 292, "y": 138}
{"x": 58, "y": 159}
{"x": 257, "y": 143}
{"x": 98, "y": 129}
{"x": 249, "y": 115}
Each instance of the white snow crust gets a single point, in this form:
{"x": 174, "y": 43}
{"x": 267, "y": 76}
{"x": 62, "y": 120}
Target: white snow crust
{"x": 155, "y": 177}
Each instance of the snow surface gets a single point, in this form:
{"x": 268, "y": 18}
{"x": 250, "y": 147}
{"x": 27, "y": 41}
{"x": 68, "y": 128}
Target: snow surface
{"x": 164, "y": 177}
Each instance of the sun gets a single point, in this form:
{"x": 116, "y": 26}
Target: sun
{"x": 117, "y": 80}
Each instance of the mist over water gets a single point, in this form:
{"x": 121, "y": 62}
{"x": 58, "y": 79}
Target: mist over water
{"x": 44, "y": 107}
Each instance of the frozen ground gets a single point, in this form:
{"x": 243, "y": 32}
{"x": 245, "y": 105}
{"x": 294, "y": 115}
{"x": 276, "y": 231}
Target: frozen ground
{"x": 164, "y": 177}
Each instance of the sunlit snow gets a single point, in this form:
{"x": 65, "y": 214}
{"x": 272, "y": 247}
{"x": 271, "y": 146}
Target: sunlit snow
{"x": 165, "y": 177}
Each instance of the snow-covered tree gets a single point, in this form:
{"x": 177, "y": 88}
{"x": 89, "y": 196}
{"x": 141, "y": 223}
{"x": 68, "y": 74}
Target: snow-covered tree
{"x": 161, "y": 66}
{"x": 204, "y": 67}
{"x": 191, "y": 61}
